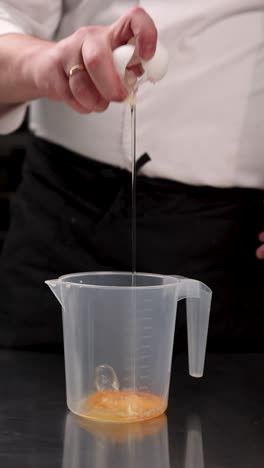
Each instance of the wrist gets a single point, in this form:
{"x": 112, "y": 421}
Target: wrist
{"x": 31, "y": 66}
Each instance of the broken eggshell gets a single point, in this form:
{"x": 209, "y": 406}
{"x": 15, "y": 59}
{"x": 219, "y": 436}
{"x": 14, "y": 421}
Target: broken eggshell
{"x": 154, "y": 69}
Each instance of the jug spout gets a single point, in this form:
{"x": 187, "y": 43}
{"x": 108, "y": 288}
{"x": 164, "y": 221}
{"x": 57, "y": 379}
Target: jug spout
{"x": 198, "y": 304}
{"x": 54, "y": 285}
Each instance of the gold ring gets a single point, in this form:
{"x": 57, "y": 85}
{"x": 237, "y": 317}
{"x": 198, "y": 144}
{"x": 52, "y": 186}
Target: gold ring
{"x": 75, "y": 69}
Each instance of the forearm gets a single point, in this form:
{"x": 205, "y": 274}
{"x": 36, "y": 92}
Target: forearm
{"x": 18, "y": 59}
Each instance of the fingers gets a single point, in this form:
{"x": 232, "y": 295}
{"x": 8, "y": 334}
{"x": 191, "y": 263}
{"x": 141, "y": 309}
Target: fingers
{"x": 260, "y": 252}
{"x": 86, "y": 94}
{"x": 261, "y": 236}
{"x": 138, "y": 24}
{"x": 98, "y": 61}
{"x": 55, "y": 84}
{"x": 145, "y": 33}
{"x": 82, "y": 94}
{"x": 71, "y": 101}
{"x": 97, "y": 51}
{"x": 136, "y": 69}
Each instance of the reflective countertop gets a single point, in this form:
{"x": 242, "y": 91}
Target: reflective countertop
{"x": 214, "y": 422}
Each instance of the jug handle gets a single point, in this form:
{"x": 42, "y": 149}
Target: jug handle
{"x": 198, "y": 305}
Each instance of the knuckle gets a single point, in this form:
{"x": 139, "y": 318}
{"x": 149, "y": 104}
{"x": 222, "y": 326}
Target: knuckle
{"x": 137, "y": 10}
{"x": 117, "y": 97}
{"x": 85, "y": 31}
{"x": 93, "y": 60}
{"x": 82, "y": 30}
{"x": 102, "y": 106}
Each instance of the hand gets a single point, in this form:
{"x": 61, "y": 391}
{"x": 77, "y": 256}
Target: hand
{"x": 260, "y": 250}
{"x": 92, "y": 89}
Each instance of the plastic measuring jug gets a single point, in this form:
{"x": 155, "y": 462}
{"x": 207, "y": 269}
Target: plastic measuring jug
{"x": 118, "y": 340}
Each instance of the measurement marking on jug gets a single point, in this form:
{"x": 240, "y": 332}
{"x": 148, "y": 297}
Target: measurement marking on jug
{"x": 144, "y": 356}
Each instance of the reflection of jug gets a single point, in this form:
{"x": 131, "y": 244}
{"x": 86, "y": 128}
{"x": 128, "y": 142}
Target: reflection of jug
{"x": 98, "y": 445}
{"x": 138, "y": 444}
{"x": 118, "y": 340}
{"x": 194, "y": 457}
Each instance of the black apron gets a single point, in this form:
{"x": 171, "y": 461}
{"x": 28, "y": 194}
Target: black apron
{"x": 73, "y": 214}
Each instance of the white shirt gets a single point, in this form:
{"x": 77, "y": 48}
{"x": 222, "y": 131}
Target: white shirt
{"x": 202, "y": 125}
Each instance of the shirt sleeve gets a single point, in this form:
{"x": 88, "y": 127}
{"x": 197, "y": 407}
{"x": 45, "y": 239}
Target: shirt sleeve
{"x": 38, "y": 18}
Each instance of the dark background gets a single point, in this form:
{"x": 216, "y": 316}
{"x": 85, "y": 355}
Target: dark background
{"x": 12, "y": 152}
